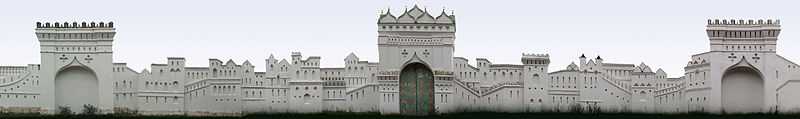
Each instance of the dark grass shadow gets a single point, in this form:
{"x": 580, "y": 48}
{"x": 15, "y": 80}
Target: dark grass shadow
{"x": 459, "y": 115}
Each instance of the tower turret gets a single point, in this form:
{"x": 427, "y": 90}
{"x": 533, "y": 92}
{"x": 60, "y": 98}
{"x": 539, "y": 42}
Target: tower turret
{"x": 583, "y": 60}
{"x": 599, "y": 60}
{"x": 536, "y": 62}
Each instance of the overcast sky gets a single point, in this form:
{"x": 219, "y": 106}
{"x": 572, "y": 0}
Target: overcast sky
{"x": 662, "y": 34}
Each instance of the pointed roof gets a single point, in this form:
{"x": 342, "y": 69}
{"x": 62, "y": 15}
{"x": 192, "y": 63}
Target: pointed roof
{"x": 351, "y": 56}
{"x": 444, "y": 18}
{"x": 598, "y": 57}
{"x": 230, "y": 62}
{"x": 283, "y": 61}
{"x": 387, "y": 18}
{"x": 583, "y": 56}
{"x": 246, "y": 62}
{"x": 644, "y": 68}
{"x": 661, "y": 72}
{"x": 572, "y": 66}
{"x": 426, "y": 18}
{"x": 415, "y": 12}
{"x": 415, "y": 15}
{"x": 406, "y": 18}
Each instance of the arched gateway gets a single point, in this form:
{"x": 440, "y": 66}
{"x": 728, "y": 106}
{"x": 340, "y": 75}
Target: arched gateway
{"x": 742, "y": 90}
{"x": 75, "y": 87}
{"x": 416, "y": 90}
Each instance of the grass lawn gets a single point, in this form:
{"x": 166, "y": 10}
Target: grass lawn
{"x": 466, "y": 115}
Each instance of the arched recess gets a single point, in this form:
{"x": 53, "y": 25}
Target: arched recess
{"x": 307, "y": 99}
{"x": 742, "y": 89}
{"x": 76, "y": 86}
{"x": 416, "y": 90}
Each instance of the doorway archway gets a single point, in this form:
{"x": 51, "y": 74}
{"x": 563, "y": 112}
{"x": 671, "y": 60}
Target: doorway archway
{"x": 742, "y": 90}
{"x": 75, "y": 87}
{"x": 416, "y": 90}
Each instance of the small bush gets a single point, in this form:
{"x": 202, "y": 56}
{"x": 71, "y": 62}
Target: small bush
{"x": 64, "y": 110}
{"x": 90, "y": 110}
{"x": 575, "y": 108}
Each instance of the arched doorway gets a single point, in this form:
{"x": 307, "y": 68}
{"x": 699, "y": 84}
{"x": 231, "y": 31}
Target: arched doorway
{"x": 416, "y": 90}
{"x": 75, "y": 87}
{"x": 742, "y": 90}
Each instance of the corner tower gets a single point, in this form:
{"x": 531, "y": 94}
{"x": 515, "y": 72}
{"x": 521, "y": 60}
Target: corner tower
{"x": 76, "y": 65}
{"x": 423, "y": 42}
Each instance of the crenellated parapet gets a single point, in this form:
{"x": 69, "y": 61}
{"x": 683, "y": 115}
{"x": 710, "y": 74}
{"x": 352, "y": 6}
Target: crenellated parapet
{"x": 749, "y": 34}
{"x": 535, "y": 59}
{"x": 535, "y": 55}
{"x": 744, "y": 22}
{"x": 74, "y": 25}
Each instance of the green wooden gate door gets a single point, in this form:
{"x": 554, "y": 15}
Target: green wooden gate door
{"x": 416, "y": 90}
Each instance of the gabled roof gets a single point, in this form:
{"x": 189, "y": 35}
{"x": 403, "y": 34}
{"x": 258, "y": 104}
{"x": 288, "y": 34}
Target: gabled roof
{"x": 230, "y": 62}
{"x": 283, "y": 61}
{"x": 661, "y": 72}
{"x": 351, "y": 56}
{"x": 246, "y": 62}
{"x": 643, "y": 68}
{"x": 572, "y": 66}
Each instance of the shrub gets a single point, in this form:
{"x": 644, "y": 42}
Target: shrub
{"x": 575, "y": 108}
{"x": 89, "y": 110}
{"x": 64, "y": 110}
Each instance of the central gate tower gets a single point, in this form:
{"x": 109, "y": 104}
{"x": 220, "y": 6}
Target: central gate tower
{"x": 416, "y": 54}
{"x": 76, "y": 65}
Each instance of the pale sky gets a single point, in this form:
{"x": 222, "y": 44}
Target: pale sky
{"x": 663, "y": 34}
